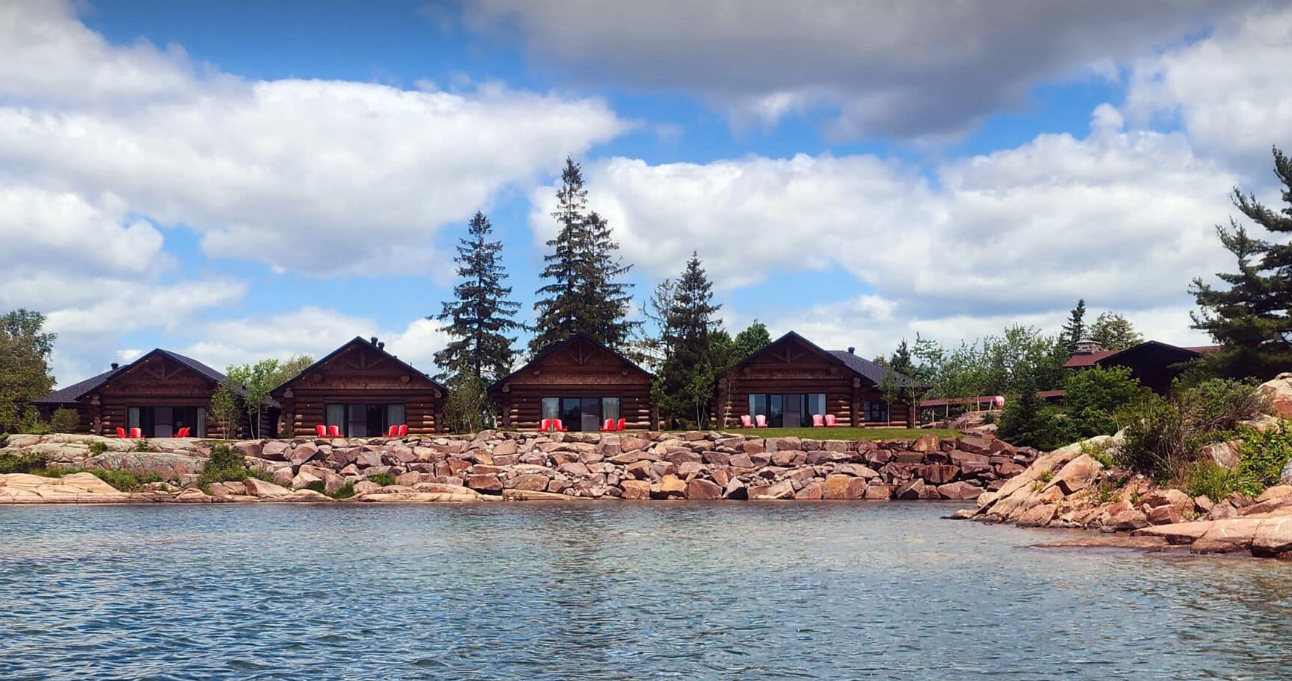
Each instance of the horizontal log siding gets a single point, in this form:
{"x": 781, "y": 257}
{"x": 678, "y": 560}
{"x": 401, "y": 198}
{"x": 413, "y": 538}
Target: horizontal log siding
{"x": 522, "y": 406}
{"x": 307, "y": 407}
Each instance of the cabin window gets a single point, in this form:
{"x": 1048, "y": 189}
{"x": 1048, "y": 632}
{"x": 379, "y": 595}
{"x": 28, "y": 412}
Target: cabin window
{"x": 610, "y": 408}
{"x": 551, "y": 408}
{"x": 167, "y": 421}
{"x": 876, "y": 411}
{"x": 757, "y": 404}
{"x": 816, "y": 404}
{"x": 134, "y": 418}
{"x": 365, "y": 420}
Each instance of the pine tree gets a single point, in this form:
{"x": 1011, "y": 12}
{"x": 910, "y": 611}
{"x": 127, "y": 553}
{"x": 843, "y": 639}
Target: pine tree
{"x": 480, "y": 315}
{"x": 688, "y": 372}
{"x": 1075, "y": 329}
{"x": 1252, "y": 319}
{"x": 585, "y": 292}
{"x": 901, "y": 359}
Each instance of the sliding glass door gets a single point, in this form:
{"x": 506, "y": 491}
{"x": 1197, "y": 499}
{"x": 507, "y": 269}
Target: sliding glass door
{"x": 581, "y": 413}
{"x": 364, "y": 420}
{"x": 167, "y": 421}
{"x": 787, "y": 410}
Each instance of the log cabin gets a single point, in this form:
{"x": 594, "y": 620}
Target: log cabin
{"x": 1154, "y": 364}
{"x": 363, "y": 390}
{"x": 159, "y": 393}
{"x": 581, "y": 382}
{"x": 791, "y": 379}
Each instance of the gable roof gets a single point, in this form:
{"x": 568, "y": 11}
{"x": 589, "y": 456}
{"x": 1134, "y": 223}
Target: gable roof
{"x": 1094, "y": 358}
{"x": 558, "y": 346}
{"x": 76, "y": 391}
{"x": 854, "y": 363}
{"x": 375, "y": 348}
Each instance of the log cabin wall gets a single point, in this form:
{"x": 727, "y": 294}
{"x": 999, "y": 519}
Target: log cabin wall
{"x": 577, "y": 368}
{"x": 792, "y": 366}
{"x": 360, "y": 373}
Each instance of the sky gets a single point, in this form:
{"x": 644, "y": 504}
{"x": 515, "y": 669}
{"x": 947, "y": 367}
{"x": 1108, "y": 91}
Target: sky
{"x": 242, "y": 180}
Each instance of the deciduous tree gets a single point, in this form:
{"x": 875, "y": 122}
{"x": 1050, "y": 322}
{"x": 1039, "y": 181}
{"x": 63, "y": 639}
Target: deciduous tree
{"x": 25, "y": 351}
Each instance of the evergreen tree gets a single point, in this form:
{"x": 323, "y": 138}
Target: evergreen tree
{"x": 690, "y": 366}
{"x": 1114, "y": 332}
{"x": 1075, "y": 329}
{"x": 480, "y": 316}
{"x": 584, "y": 293}
{"x": 25, "y": 351}
{"x": 754, "y": 338}
{"x": 659, "y": 309}
{"x": 901, "y": 359}
{"x": 1252, "y": 318}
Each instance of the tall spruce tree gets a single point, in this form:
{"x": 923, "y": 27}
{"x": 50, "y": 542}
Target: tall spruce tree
{"x": 480, "y": 316}
{"x": 585, "y": 292}
{"x": 1252, "y": 318}
{"x": 901, "y": 359}
{"x": 689, "y": 368}
{"x": 1075, "y": 328}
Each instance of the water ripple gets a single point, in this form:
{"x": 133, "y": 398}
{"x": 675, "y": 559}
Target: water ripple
{"x": 612, "y": 591}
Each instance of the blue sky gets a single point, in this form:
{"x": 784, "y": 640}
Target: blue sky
{"x": 252, "y": 179}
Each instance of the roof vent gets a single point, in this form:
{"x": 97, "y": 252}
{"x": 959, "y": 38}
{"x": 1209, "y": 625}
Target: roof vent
{"x": 373, "y": 340}
{"x": 381, "y": 345}
{"x": 115, "y": 366}
{"x": 852, "y": 350}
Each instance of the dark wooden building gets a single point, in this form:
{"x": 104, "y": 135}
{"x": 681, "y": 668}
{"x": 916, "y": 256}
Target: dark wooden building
{"x": 363, "y": 390}
{"x": 791, "y": 379}
{"x": 581, "y": 382}
{"x": 1153, "y": 363}
{"x": 159, "y": 393}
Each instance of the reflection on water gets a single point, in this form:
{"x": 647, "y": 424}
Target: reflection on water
{"x": 612, "y": 591}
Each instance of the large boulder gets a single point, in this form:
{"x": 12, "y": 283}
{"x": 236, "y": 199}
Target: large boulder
{"x": 168, "y": 466}
{"x": 1273, "y": 537}
{"x": 1077, "y": 474}
{"x": 1279, "y": 392}
{"x": 703, "y": 490}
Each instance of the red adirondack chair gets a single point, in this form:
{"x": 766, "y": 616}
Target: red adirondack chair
{"x": 121, "y": 432}
{"x": 545, "y": 426}
{"x": 321, "y": 431}
{"x": 608, "y": 426}
{"x": 760, "y": 421}
{"x": 746, "y": 421}
{"x": 403, "y": 429}
{"x": 392, "y": 431}
{"x": 334, "y": 431}
{"x": 623, "y": 423}
{"x": 136, "y": 433}
{"x": 818, "y": 421}
{"x": 830, "y": 421}
{"x": 183, "y": 432}
{"x": 560, "y": 427}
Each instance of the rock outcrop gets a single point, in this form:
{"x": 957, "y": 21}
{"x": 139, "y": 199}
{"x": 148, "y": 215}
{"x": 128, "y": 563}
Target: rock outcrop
{"x": 516, "y": 465}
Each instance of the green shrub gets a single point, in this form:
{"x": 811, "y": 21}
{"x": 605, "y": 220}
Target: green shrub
{"x": 345, "y": 492}
{"x": 225, "y": 464}
{"x": 125, "y": 480}
{"x": 64, "y": 420}
{"x": 1095, "y": 396}
{"x": 1262, "y": 456}
{"x": 1098, "y": 452}
{"x": 317, "y": 486}
{"x": 1163, "y": 435}
{"x": 143, "y": 445}
{"x": 98, "y": 447}
{"x": 382, "y": 479}
{"x": 25, "y": 462}
{"x": 1211, "y": 479}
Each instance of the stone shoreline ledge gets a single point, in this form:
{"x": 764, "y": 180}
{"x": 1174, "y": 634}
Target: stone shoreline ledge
{"x": 527, "y": 466}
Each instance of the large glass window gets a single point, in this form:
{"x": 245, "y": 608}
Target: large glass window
{"x": 758, "y": 404}
{"x": 365, "y": 420}
{"x": 776, "y": 411}
{"x": 816, "y": 404}
{"x": 610, "y": 408}
{"x": 335, "y": 416}
{"x": 582, "y": 413}
{"x": 551, "y": 408}
{"x": 395, "y": 415}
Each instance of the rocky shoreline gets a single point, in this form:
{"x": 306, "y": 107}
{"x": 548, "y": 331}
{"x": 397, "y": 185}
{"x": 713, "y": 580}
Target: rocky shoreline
{"x": 1068, "y": 488}
{"x": 504, "y": 465}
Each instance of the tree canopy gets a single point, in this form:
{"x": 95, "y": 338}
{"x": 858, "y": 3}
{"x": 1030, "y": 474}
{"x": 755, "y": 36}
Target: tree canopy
{"x": 480, "y": 317}
{"x": 25, "y": 351}
{"x": 1250, "y": 313}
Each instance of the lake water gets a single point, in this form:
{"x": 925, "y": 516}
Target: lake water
{"x": 612, "y": 591}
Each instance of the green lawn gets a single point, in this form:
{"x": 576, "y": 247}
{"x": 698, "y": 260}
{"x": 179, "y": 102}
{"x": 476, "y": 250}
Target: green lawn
{"x": 845, "y": 433}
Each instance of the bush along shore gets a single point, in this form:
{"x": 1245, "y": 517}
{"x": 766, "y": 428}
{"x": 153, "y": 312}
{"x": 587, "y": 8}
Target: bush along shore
{"x": 496, "y": 465}
{"x": 1228, "y": 496}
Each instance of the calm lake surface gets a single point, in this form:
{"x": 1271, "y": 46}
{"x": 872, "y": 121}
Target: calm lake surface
{"x": 612, "y": 591}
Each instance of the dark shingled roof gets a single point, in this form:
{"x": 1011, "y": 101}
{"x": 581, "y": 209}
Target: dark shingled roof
{"x": 76, "y": 391}
{"x": 363, "y": 341}
{"x": 561, "y": 344}
{"x": 869, "y": 369}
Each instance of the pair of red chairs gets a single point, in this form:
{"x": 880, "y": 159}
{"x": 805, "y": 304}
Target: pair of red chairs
{"x": 552, "y": 426}
{"x": 135, "y": 433}
{"x": 612, "y": 426}
{"x": 397, "y": 431}
{"x": 759, "y": 421}
{"x": 328, "y": 431}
